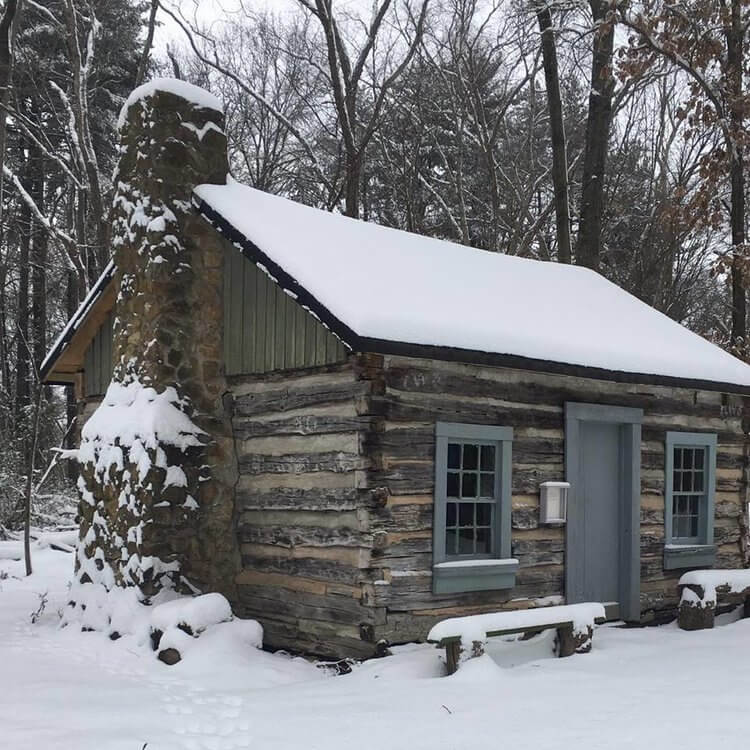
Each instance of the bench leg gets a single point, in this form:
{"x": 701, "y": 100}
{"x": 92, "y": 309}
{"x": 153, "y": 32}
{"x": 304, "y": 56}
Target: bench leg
{"x": 452, "y": 656}
{"x": 477, "y": 649}
{"x": 569, "y": 643}
{"x": 691, "y": 617}
{"x": 565, "y": 642}
{"x": 584, "y": 641}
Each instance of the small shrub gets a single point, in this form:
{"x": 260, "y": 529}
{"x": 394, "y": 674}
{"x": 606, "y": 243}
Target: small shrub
{"x": 40, "y": 609}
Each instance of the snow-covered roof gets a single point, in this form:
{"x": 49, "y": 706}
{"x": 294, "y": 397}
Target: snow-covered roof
{"x": 386, "y": 290}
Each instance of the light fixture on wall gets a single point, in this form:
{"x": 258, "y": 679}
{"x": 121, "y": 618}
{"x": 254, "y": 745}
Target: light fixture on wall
{"x": 553, "y": 502}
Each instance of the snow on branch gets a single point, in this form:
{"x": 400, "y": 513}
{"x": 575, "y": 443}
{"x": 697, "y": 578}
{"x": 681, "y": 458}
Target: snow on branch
{"x": 46, "y": 12}
{"x": 54, "y": 231}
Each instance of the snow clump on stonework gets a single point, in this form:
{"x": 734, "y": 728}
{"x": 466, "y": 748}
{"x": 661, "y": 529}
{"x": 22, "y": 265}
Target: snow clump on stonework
{"x": 130, "y": 453}
{"x": 198, "y": 96}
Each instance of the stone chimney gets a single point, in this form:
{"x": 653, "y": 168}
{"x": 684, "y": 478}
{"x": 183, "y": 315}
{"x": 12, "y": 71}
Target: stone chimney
{"x": 158, "y": 465}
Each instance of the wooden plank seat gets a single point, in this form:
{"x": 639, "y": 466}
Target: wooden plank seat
{"x": 465, "y": 637}
{"x": 703, "y": 591}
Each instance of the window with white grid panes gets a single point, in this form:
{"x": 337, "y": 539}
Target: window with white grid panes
{"x": 690, "y": 483}
{"x": 471, "y": 533}
{"x": 689, "y": 488}
{"x": 471, "y": 483}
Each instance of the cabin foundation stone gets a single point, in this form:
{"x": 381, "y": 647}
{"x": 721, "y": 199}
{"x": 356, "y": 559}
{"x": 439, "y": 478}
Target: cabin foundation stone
{"x": 693, "y": 616}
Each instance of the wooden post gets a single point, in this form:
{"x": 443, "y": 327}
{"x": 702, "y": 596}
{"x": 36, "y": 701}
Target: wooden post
{"x": 566, "y": 644}
{"x": 452, "y": 656}
{"x": 695, "y": 615}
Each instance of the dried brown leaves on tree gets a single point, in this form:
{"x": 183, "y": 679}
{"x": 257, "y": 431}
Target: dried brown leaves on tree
{"x": 706, "y": 41}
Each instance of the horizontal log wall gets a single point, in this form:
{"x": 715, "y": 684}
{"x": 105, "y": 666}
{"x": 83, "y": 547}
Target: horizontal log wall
{"x": 336, "y": 492}
{"x": 410, "y": 395}
{"x": 303, "y": 512}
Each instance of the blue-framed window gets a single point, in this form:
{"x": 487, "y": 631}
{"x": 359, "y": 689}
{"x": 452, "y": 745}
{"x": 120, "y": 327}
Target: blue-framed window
{"x": 689, "y": 488}
{"x": 471, "y": 526}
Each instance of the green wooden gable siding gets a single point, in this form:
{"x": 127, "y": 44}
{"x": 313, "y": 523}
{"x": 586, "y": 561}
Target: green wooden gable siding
{"x": 98, "y": 362}
{"x": 265, "y": 329}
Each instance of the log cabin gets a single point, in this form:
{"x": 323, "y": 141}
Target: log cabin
{"x": 416, "y": 429}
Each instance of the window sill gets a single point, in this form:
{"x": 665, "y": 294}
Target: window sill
{"x": 678, "y": 556}
{"x": 473, "y": 575}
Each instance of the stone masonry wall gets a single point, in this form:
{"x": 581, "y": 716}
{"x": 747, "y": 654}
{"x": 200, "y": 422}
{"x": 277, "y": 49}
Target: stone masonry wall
{"x": 158, "y": 499}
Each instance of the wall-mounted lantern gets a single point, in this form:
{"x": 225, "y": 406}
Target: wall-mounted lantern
{"x": 553, "y": 502}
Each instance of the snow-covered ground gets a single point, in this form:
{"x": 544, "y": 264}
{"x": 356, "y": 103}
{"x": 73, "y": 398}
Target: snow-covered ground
{"x": 78, "y": 691}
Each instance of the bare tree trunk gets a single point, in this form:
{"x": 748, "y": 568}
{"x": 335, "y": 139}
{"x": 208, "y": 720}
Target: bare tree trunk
{"x": 40, "y": 243}
{"x": 22, "y": 320}
{"x": 80, "y": 63}
{"x": 8, "y": 25}
{"x": 557, "y": 134}
{"x": 597, "y": 137}
{"x": 353, "y": 185}
{"x": 739, "y": 299}
{"x": 737, "y": 177}
{"x": 29, "y": 488}
{"x": 5, "y": 347}
{"x": 71, "y": 407}
{"x": 146, "y": 54}
{"x": 176, "y": 72}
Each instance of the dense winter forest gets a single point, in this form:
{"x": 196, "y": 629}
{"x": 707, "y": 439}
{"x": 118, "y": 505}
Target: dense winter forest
{"x": 608, "y": 134}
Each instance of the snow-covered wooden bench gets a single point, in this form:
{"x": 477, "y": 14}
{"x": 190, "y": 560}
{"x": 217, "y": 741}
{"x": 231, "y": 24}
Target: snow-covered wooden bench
{"x": 702, "y": 590}
{"x": 465, "y": 637}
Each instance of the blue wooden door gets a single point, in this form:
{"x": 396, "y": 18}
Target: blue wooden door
{"x": 598, "y": 512}
{"x": 602, "y": 540}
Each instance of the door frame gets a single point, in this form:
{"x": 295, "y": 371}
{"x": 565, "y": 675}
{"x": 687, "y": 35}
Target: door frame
{"x": 629, "y": 422}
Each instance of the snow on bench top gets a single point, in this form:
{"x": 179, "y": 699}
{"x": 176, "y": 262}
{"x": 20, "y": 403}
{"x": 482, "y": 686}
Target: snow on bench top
{"x": 710, "y": 580}
{"x": 198, "y": 96}
{"x": 388, "y": 284}
{"x": 475, "y": 627}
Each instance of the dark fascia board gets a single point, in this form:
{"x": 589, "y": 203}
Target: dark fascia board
{"x": 447, "y": 353}
{"x": 58, "y": 381}
{"x": 74, "y": 324}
